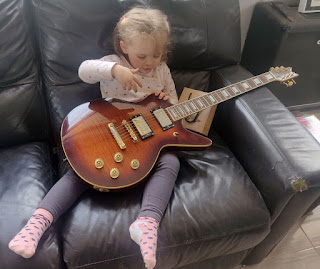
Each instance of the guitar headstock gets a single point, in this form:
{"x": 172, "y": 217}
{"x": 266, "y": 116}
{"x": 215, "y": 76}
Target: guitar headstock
{"x": 284, "y": 75}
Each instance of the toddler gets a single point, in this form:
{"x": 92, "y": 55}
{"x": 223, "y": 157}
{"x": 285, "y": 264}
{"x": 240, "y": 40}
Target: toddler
{"x": 137, "y": 70}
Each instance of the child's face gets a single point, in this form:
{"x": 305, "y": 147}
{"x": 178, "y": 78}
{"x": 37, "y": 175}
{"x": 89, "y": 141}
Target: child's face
{"x": 144, "y": 52}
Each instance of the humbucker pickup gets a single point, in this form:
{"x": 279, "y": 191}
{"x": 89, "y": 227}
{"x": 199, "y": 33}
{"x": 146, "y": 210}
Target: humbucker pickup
{"x": 141, "y": 126}
{"x": 162, "y": 118}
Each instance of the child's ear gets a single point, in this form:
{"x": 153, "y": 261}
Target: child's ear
{"x": 123, "y": 47}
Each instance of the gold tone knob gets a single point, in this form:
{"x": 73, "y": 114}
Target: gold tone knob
{"x": 175, "y": 134}
{"x": 114, "y": 173}
{"x": 118, "y": 157}
{"x": 98, "y": 163}
{"x": 134, "y": 164}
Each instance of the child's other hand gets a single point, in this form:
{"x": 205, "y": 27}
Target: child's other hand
{"x": 126, "y": 77}
{"x": 162, "y": 95}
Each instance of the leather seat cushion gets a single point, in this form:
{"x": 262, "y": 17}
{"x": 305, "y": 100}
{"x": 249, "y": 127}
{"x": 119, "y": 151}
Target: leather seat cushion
{"x": 214, "y": 210}
{"x": 25, "y": 177}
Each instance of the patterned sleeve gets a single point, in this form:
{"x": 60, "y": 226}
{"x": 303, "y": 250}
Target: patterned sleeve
{"x": 169, "y": 87}
{"x": 93, "y": 71}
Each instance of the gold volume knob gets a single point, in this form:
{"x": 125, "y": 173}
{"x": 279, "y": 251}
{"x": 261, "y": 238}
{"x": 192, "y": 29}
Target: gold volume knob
{"x": 114, "y": 173}
{"x": 98, "y": 163}
{"x": 118, "y": 157}
{"x": 134, "y": 164}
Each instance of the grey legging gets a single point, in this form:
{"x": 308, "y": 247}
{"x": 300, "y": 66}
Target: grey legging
{"x": 156, "y": 194}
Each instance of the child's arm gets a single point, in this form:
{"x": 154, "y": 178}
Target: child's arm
{"x": 126, "y": 77}
{"x": 169, "y": 87}
{"x": 93, "y": 71}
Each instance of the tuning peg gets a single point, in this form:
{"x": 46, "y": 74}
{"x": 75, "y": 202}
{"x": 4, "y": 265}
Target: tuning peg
{"x": 271, "y": 68}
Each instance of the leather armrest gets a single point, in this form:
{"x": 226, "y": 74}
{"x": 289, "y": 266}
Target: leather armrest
{"x": 279, "y": 154}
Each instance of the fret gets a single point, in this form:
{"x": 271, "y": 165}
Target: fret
{"x": 176, "y": 108}
{"x": 217, "y": 96}
{"x": 186, "y": 107}
{"x": 221, "y": 95}
{"x": 193, "y": 106}
{"x": 251, "y": 83}
{"x": 204, "y": 101}
{"x": 180, "y": 111}
{"x": 197, "y": 104}
{"x": 241, "y": 88}
{"x": 173, "y": 113}
{"x": 263, "y": 79}
{"x": 230, "y": 91}
{"x": 190, "y": 106}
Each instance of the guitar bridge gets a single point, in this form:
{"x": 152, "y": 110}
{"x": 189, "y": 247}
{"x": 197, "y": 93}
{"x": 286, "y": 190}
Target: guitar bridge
{"x": 141, "y": 126}
{"x": 130, "y": 131}
{"x": 116, "y": 136}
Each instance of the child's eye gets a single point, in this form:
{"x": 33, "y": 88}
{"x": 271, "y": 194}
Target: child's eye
{"x": 156, "y": 56}
{"x": 141, "y": 57}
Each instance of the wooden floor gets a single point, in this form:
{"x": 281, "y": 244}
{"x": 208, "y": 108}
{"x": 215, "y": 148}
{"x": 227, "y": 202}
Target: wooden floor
{"x": 300, "y": 249}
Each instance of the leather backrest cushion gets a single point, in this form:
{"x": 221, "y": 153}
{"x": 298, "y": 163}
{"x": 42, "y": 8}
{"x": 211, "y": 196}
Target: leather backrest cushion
{"x": 206, "y": 35}
{"x": 22, "y": 113}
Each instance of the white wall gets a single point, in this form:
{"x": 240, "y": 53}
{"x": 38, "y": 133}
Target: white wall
{"x": 246, "y": 8}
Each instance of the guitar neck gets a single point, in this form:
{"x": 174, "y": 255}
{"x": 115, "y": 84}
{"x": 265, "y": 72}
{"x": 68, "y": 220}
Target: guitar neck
{"x": 189, "y": 107}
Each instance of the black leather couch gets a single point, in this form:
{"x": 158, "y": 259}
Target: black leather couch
{"x": 231, "y": 204}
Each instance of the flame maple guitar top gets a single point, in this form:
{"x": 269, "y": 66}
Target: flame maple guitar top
{"x": 110, "y": 154}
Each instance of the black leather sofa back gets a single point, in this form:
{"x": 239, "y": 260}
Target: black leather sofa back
{"x": 22, "y": 113}
{"x": 86, "y": 31}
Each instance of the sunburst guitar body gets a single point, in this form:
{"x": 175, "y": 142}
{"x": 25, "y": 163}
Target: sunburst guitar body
{"x": 112, "y": 144}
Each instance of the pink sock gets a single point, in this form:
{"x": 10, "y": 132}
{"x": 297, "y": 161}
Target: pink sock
{"x": 144, "y": 232}
{"x": 26, "y": 241}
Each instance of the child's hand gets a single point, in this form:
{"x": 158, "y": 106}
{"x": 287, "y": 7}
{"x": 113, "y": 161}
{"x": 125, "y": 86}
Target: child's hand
{"x": 162, "y": 95}
{"x": 126, "y": 77}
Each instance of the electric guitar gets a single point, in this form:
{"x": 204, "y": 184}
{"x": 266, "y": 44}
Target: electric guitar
{"x": 113, "y": 144}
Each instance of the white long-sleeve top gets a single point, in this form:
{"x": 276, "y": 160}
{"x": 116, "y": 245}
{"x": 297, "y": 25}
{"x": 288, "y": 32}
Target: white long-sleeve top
{"x": 158, "y": 79}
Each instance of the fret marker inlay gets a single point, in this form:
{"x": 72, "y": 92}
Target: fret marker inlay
{"x": 235, "y": 89}
{"x": 225, "y": 93}
{"x": 257, "y": 81}
{"x": 245, "y": 85}
{"x": 268, "y": 76}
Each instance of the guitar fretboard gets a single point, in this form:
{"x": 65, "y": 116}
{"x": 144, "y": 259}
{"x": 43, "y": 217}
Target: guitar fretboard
{"x": 189, "y": 107}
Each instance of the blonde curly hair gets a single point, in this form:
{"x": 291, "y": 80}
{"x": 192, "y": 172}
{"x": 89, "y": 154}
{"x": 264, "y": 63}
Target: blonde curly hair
{"x": 142, "y": 21}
